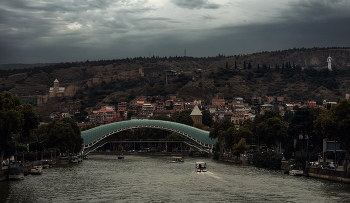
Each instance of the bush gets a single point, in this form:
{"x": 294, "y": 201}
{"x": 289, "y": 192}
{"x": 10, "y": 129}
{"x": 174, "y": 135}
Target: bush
{"x": 269, "y": 160}
{"x": 300, "y": 160}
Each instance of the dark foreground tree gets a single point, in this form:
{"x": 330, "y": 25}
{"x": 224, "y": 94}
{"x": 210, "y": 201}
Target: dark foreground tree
{"x": 63, "y": 135}
{"x": 16, "y": 120}
{"x": 335, "y": 125}
{"x": 269, "y": 128}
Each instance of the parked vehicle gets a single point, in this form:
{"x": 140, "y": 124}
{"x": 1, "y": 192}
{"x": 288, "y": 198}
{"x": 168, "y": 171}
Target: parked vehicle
{"x": 332, "y": 165}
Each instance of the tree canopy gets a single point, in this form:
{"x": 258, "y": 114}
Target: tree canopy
{"x": 207, "y": 118}
{"x": 16, "y": 120}
{"x": 63, "y": 135}
{"x": 269, "y": 128}
{"x": 335, "y": 124}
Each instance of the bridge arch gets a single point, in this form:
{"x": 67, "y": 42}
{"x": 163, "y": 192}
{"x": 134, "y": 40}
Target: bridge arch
{"x": 95, "y": 137}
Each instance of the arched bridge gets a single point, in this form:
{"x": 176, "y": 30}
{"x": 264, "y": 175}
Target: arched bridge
{"x": 95, "y": 137}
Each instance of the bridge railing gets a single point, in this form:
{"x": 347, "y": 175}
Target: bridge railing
{"x": 95, "y": 135}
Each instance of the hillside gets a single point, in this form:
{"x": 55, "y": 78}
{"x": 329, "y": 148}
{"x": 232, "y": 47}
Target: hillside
{"x": 299, "y": 77}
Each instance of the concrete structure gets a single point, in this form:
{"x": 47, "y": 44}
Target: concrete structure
{"x": 329, "y": 61}
{"x": 196, "y": 115}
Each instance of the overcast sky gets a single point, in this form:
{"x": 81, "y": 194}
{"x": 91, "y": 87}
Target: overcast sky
{"x": 42, "y": 31}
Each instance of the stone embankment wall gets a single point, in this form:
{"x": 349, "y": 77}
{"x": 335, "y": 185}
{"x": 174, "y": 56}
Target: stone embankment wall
{"x": 340, "y": 176}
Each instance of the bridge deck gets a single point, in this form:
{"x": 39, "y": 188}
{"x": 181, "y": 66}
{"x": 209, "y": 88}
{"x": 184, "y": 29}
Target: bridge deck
{"x": 95, "y": 135}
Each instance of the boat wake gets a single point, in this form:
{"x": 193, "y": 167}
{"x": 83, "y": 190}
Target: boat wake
{"x": 213, "y": 175}
{"x": 209, "y": 174}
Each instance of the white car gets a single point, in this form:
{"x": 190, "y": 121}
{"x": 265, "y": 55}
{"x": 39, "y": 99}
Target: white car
{"x": 332, "y": 165}
{"x": 5, "y": 162}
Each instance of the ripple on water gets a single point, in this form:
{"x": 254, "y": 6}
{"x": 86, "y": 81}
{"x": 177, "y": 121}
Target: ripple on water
{"x": 104, "y": 178}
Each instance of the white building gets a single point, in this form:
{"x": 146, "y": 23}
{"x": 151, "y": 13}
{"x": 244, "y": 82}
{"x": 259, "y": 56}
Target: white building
{"x": 329, "y": 60}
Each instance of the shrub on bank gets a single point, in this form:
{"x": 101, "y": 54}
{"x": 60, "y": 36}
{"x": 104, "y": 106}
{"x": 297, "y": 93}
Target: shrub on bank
{"x": 269, "y": 160}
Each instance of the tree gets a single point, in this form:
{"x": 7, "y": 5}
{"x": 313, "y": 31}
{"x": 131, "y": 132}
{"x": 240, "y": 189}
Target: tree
{"x": 239, "y": 148}
{"x": 302, "y": 122}
{"x": 63, "y": 134}
{"x": 249, "y": 66}
{"x": 182, "y": 117}
{"x": 335, "y": 124}
{"x": 219, "y": 130}
{"x": 233, "y": 135}
{"x": 207, "y": 118}
{"x": 15, "y": 120}
{"x": 269, "y": 128}
{"x": 131, "y": 113}
{"x": 160, "y": 117}
{"x": 220, "y": 126}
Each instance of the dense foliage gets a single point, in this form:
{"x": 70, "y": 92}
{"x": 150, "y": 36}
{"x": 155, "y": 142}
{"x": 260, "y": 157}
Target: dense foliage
{"x": 269, "y": 128}
{"x": 16, "y": 123}
{"x": 63, "y": 135}
{"x": 270, "y": 160}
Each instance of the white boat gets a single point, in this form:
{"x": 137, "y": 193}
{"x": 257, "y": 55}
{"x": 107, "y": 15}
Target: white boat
{"x": 176, "y": 160}
{"x": 63, "y": 160}
{"x": 46, "y": 163}
{"x": 16, "y": 173}
{"x": 74, "y": 159}
{"x": 37, "y": 168}
{"x": 52, "y": 162}
{"x": 295, "y": 172}
{"x": 201, "y": 167}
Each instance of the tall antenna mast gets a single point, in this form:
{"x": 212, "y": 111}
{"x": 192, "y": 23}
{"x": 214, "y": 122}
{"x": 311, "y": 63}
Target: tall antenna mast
{"x": 185, "y": 53}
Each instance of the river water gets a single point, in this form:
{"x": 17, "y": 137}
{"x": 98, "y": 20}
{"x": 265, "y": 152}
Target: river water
{"x": 105, "y": 178}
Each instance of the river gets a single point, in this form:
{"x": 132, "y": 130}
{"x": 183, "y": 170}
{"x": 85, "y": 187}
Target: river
{"x": 105, "y": 178}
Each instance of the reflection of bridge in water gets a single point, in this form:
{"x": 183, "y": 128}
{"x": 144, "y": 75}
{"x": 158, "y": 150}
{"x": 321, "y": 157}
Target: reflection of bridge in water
{"x": 196, "y": 138}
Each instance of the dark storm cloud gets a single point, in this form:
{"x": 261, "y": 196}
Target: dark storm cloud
{"x": 316, "y": 9}
{"x": 58, "y": 31}
{"x": 195, "y": 4}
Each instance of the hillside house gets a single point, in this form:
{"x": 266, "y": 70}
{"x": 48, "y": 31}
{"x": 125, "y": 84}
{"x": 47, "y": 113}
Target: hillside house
{"x": 147, "y": 109}
{"x": 218, "y": 102}
{"x": 122, "y": 106}
{"x": 256, "y": 101}
{"x": 139, "y": 117}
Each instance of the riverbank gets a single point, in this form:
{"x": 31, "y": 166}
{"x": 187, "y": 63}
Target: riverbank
{"x": 328, "y": 174}
{"x": 27, "y": 166}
